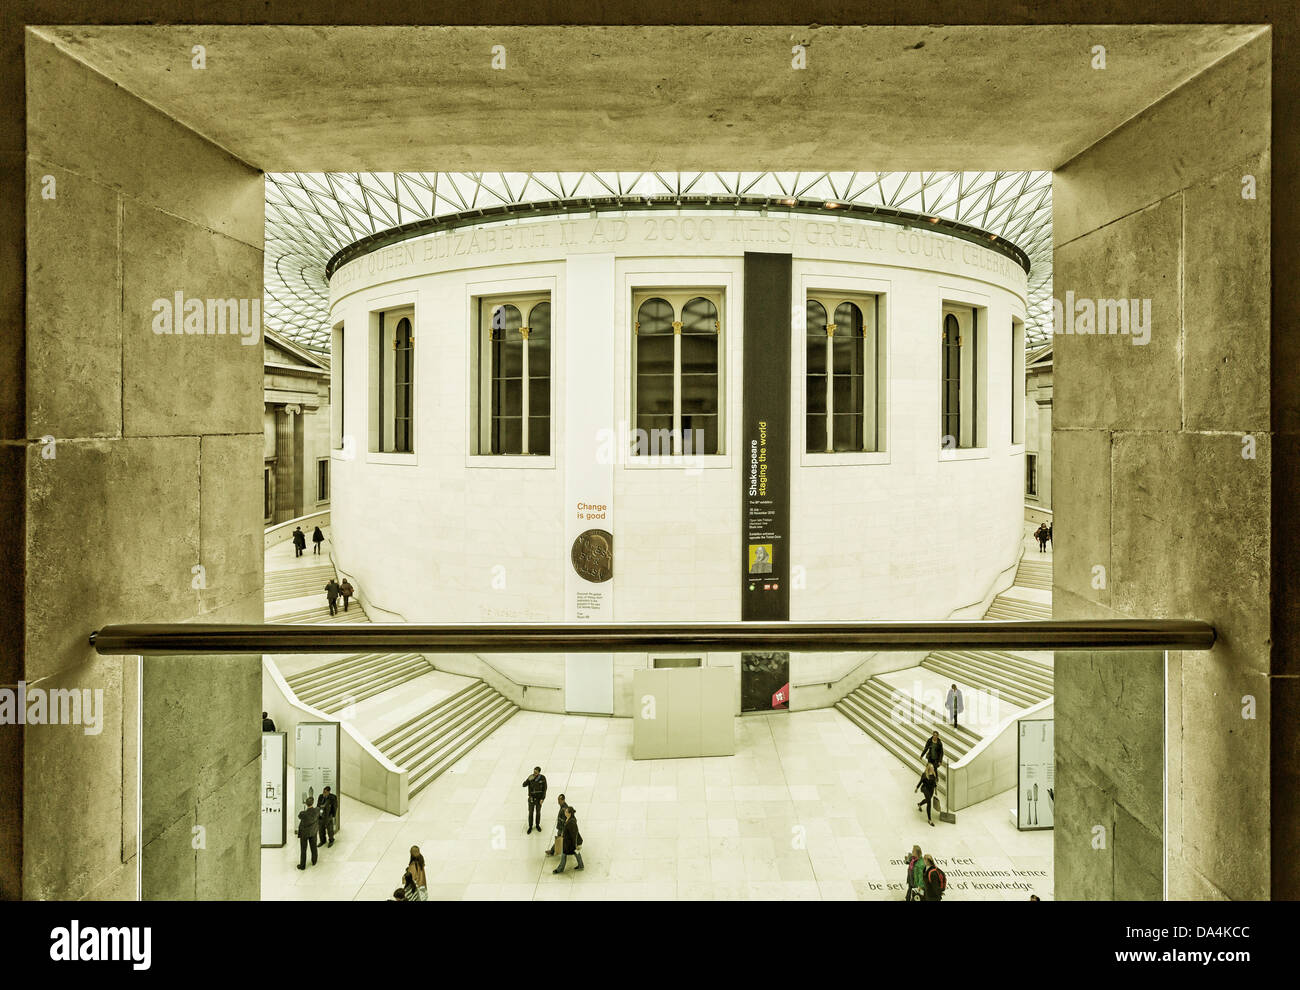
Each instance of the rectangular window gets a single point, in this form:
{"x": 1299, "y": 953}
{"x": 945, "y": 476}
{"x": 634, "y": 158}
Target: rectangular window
{"x": 1031, "y": 474}
{"x": 677, "y": 371}
{"x": 336, "y": 387}
{"x": 1017, "y": 381}
{"x": 322, "y": 479}
{"x": 843, "y": 410}
{"x": 963, "y": 373}
{"x": 514, "y": 374}
{"x": 670, "y": 663}
{"x": 268, "y": 494}
{"x": 392, "y": 381}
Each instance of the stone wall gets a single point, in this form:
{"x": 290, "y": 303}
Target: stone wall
{"x": 147, "y": 427}
{"x": 1154, "y": 481}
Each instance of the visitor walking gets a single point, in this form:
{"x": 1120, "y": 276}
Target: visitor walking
{"x": 345, "y": 589}
{"x": 954, "y": 704}
{"x": 328, "y": 809}
{"x": 572, "y": 840}
{"x": 308, "y": 824}
{"x": 935, "y": 880}
{"x": 1040, "y": 534}
{"x": 557, "y": 846}
{"x": 916, "y": 886}
{"x": 1048, "y": 534}
{"x": 536, "y": 784}
{"x": 299, "y": 541}
{"x": 317, "y": 537}
{"x": 912, "y": 859}
{"x": 926, "y": 785}
{"x": 933, "y": 752}
{"x": 332, "y": 593}
{"x": 415, "y": 881}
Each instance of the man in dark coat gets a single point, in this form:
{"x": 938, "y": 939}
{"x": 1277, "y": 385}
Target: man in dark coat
{"x": 933, "y": 752}
{"x": 299, "y": 541}
{"x": 332, "y": 593}
{"x": 328, "y": 808}
{"x": 536, "y": 784}
{"x": 572, "y": 840}
{"x": 308, "y": 824}
{"x": 268, "y": 723}
{"x": 560, "y": 819}
{"x": 346, "y": 590}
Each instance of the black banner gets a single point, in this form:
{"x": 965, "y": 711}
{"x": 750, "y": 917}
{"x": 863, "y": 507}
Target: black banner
{"x": 765, "y": 441}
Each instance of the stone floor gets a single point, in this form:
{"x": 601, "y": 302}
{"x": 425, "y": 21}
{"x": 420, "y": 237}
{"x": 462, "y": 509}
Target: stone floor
{"x": 810, "y": 808}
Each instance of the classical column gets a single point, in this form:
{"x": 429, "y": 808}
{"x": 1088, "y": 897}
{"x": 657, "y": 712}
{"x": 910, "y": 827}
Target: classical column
{"x": 287, "y": 468}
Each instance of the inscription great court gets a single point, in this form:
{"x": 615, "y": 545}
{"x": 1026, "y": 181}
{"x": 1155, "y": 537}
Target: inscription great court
{"x": 524, "y": 241}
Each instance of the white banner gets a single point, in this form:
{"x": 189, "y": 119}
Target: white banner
{"x": 1036, "y": 780}
{"x": 273, "y": 780}
{"x": 316, "y": 763}
{"x": 589, "y": 343}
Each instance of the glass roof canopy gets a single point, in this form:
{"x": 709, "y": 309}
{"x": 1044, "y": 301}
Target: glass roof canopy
{"x": 311, "y": 216}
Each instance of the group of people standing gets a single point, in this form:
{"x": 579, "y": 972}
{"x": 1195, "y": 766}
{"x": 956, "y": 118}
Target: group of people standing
{"x": 1043, "y": 534}
{"x": 567, "y": 840}
{"x": 316, "y": 823}
{"x": 300, "y": 540}
{"x": 925, "y": 881}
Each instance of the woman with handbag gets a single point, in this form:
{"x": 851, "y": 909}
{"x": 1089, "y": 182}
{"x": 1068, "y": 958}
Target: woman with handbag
{"x": 417, "y": 884}
{"x": 926, "y": 785}
{"x": 572, "y": 840}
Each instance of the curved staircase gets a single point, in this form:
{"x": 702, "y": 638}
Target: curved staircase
{"x": 901, "y": 723}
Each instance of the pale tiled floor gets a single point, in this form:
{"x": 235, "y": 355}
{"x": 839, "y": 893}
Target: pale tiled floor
{"x": 810, "y": 808}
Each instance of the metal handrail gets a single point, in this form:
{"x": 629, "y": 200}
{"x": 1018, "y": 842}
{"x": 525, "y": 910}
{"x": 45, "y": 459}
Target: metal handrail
{"x": 1044, "y": 634}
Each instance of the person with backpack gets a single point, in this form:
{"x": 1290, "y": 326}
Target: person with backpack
{"x": 936, "y": 882}
{"x": 926, "y": 785}
{"x": 912, "y": 859}
{"x": 299, "y": 541}
{"x": 345, "y": 589}
{"x": 916, "y": 886}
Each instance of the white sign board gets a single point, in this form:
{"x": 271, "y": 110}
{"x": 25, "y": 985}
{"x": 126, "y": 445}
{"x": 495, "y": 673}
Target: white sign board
{"x": 316, "y": 763}
{"x": 1036, "y": 779}
{"x": 274, "y": 777}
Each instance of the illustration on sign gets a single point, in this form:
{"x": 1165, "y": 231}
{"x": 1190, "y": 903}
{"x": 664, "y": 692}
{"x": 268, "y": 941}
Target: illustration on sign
{"x": 593, "y": 556}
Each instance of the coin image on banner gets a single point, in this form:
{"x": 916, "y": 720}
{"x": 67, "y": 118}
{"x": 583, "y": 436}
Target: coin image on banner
{"x": 593, "y": 556}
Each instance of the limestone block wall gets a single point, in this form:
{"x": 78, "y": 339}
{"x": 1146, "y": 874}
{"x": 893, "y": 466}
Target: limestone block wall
{"x": 1150, "y": 484}
{"x": 147, "y": 427}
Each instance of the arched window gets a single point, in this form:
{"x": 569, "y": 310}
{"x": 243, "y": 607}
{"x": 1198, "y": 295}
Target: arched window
{"x": 677, "y": 374}
{"x": 515, "y": 376}
{"x": 950, "y": 435}
{"x": 842, "y": 382}
{"x": 403, "y": 379}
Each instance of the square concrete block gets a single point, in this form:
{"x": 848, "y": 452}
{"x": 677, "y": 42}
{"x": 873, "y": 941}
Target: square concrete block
{"x": 1226, "y": 286}
{"x": 1191, "y": 520}
{"x": 168, "y": 861}
{"x": 1083, "y": 857}
{"x": 1139, "y": 859}
{"x": 72, "y": 794}
{"x": 1226, "y": 775}
{"x": 229, "y": 866}
{"x": 181, "y": 383}
{"x": 92, "y": 126}
{"x": 230, "y": 526}
{"x": 74, "y": 344}
{"x": 1219, "y": 118}
{"x": 1110, "y": 706}
{"x": 1082, "y": 530}
{"x": 202, "y": 727}
{"x": 1107, "y": 381}
{"x": 112, "y": 533}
